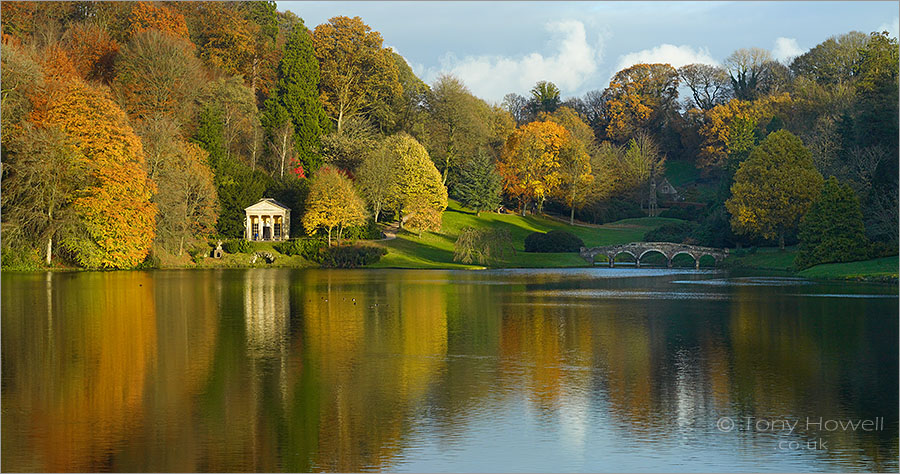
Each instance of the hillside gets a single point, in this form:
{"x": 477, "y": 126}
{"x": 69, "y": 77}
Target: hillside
{"x": 433, "y": 250}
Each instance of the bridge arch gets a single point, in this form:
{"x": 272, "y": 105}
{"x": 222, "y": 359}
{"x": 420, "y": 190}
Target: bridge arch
{"x": 615, "y": 255}
{"x": 691, "y": 254}
{"x": 707, "y": 258}
{"x": 668, "y": 261}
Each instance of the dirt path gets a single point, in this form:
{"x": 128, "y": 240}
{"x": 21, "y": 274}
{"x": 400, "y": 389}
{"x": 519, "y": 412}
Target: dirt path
{"x": 390, "y": 232}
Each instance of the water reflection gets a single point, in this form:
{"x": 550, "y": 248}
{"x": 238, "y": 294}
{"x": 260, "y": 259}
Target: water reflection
{"x": 271, "y": 370}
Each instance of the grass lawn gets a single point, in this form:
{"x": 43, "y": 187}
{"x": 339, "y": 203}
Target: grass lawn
{"x": 435, "y": 250}
{"x": 884, "y": 269}
{"x": 878, "y": 269}
{"x": 766, "y": 258}
{"x": 680, "y": 172}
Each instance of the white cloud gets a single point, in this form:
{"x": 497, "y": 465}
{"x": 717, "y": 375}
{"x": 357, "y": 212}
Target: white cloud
{"x": 676, "y": 56}
{"x": 892, "y": 28}
{"x": 491, "y": 77}
{"x": 786, "y": 49}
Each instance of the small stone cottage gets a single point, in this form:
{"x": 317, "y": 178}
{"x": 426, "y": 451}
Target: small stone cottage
{"x": 667, "y": 192}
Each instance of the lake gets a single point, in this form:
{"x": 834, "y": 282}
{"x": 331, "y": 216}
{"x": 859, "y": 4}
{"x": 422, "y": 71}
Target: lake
{"x": 591, "y": 369}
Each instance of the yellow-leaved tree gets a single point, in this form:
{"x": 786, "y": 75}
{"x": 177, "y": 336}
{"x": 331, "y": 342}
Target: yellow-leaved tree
{"x": 773, "y": 188}
{"x": 117, "y": 219}
{"x": 332, "y": 203}
{"x": 530, "y": 164}
{"x": 417, "y": 193}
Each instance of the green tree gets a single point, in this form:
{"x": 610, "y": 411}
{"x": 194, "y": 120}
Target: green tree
{"x": 833, "y": 61}
{"x": 456, "y": 124}
{"x": 375, "y": 179}
{"x": 479, "y": 185}
{"x": 753, "y": 72}
{"x": 773, "y": 188}
{"x": 577, "y": 160}
{"x": 297, "y": 91}
{"x": 332, "y": 203}
{"x": 544, "y": 97}
{"x": 832, "y": 230}
{"x": 417, "y": 188}
{"x": 239, "y": 116}
{"x": 409, "y": 106}
{"x": 41, "y": 175}
{"x": 482, "y": 245}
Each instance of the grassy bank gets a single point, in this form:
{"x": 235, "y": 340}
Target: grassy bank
{"x": 773, "y": 259}
{"x": 435, "y": 250}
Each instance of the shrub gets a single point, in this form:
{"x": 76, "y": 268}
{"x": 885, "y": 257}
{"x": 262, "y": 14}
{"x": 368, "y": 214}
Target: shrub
{"x": 553, "y": 241}
{"x": 20, "y": 258}
{"x": 369, "y": 231}
{"x": 237, "y": 246}
{"x": 149, "y": 263}
{"x": 197, "y": 253}
{"x": 481, "y": 245}
{"x": 351, "y": 256}
{"x": 289, "y": 247}
{"x": 676, "y": 232}
{"x": 309, "y": 249}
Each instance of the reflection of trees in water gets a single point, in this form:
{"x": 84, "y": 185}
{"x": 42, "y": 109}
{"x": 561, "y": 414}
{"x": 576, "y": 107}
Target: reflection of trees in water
{"x": 375, "y": 355}
{"x": 816, "y": 357}
{"x": 307, "y": 370}
{"x": 76, "y": 362}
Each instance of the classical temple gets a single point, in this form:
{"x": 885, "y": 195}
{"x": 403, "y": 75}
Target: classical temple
{"x": 268, "y": 219}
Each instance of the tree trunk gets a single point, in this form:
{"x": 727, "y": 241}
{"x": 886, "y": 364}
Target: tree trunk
{"x": 400, "y": 217}
{"x": 50, "y": 239}
{"x": 329, "y": 236}
{"x": 377, "y": 211}
{"x": 283, "y": 152}
{"x": 781, "y": 241}
{"x": 572, "y": 216}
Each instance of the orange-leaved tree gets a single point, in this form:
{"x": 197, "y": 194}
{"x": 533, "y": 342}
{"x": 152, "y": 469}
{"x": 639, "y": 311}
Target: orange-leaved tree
{"x": 147, "y": 16}
{"x": 529, "y": 163}
{"x": 92, "y": 51}
{"x": 640, "y": 97}
{"x": 117, "y": 218}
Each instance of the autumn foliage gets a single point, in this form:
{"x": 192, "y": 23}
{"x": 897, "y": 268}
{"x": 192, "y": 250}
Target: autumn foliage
{"x": 114, "y": 207}
{"x": 147, "y": 16}
{"x": 530, "y": 163}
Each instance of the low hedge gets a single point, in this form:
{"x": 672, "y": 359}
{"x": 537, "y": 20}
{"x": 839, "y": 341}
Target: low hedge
{"x": 237, "y": 246}
{"x": 351, "y": 256}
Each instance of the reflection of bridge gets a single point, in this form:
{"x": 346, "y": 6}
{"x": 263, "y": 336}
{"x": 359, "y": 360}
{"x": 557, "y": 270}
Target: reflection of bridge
{"x": 669, "y": 250}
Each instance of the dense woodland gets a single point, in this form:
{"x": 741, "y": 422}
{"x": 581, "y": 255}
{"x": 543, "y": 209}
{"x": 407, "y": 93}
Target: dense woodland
{"x": 138, "y": 132}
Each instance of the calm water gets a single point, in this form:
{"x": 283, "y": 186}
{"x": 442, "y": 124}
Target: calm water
{"x": 561, "y": 370}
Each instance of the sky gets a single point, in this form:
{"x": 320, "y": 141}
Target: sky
{"x": 500, "y": 47}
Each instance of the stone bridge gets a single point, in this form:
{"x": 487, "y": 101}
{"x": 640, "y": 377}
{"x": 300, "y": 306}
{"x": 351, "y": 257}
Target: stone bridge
{"x": 639, "y": 249}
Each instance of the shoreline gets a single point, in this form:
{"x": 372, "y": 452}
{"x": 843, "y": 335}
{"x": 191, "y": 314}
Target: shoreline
{"x": 822, "y": 272}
